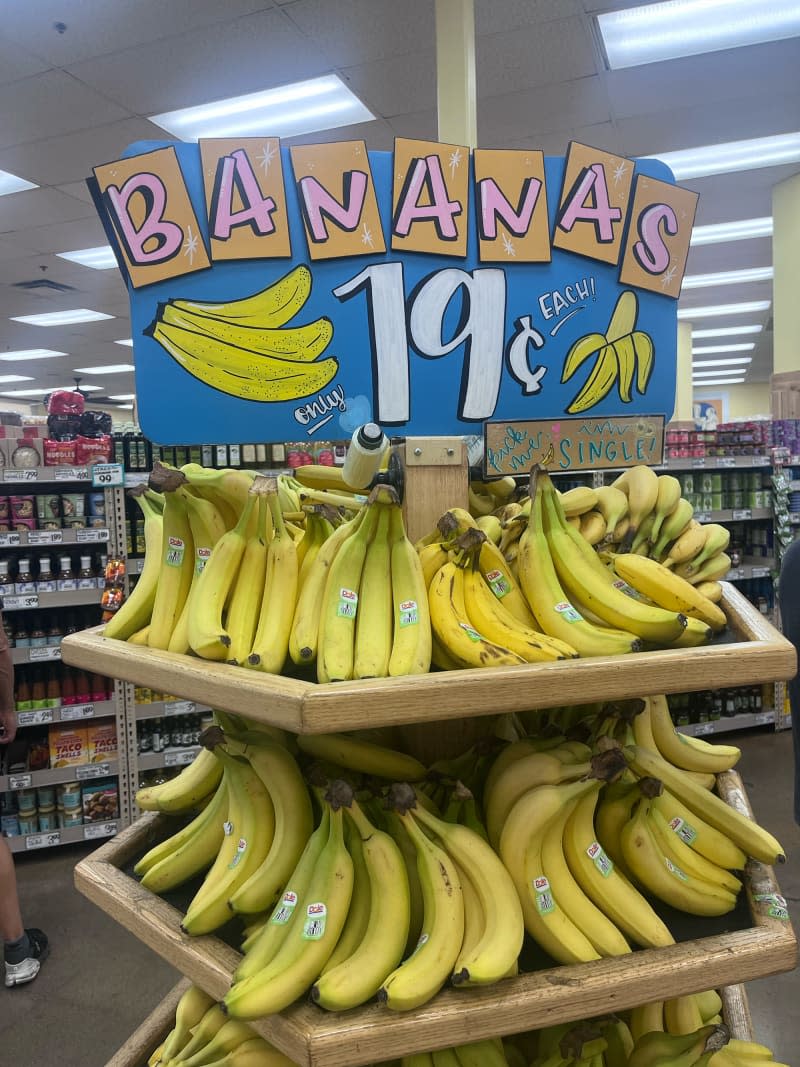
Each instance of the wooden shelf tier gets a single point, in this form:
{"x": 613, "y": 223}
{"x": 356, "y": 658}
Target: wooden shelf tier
{"x": 756, "y": 653}
{"x": 314, "y": 1038}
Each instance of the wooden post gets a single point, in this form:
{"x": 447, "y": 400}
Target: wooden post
{"x": 437, "y": 478}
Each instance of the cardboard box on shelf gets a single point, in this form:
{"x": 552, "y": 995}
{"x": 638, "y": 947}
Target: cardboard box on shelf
{"x": 102, "y": 741}
{"x": 100, "y": 801}
{"x": 69, "y": 746}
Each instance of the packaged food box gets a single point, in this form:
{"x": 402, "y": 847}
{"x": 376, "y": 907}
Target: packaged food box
{"x": 69, "y": 746}
{"x": 100, "y": 801}
{"x": 22, "y": 453}
{"x": 102, "y": 741}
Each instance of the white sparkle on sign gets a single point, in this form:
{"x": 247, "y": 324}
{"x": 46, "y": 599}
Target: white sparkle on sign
{"x": 398, "y": 177}
{"x": 455, "y": 162}
{"x": 668, "y": 277}
{"x": 366, "y": 236}
{"x": 190, "y": 244}
{"x": 508, "y": 246}
{"x": 268, "y": 153}
{"x": 358, "y": 149}
{"x": 528, "y": 161}
{"x": 620, "y": 172}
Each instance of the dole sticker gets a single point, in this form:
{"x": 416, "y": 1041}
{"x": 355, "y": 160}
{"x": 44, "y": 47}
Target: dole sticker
{"x": 473, "y": 635}
{"x": 570, "y": 614}
{"x": 284, "y": 910}
{"x": 175, "y": 549}
{"x": 409, "y": 613}
{"x": 348, "y": 604}
{"x": 498, "y": 583}
{"x": 314, "y": 926}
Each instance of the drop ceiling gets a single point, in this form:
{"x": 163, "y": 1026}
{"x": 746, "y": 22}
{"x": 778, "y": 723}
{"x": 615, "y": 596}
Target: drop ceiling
{"x": 78, "y": 81}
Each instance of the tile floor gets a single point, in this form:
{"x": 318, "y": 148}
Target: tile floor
{"x": 99, "y": 982}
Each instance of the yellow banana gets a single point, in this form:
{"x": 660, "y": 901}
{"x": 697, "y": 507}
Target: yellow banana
{"x": 137, "y": 610}
{"x": 598, "y": 384}
{"x": 642, "y": 541}
{"x": 668, "y": 590}
{"x": 623, "y": 317}
{"x": 580, "y": 351}
{"x": 190, "y": 1010}
{"x": 480, "y": 503}
{"x": 490, "y": 525}
{"x": 612, "y": 505}
{"x": 593, "y": 527}
{"x": 302, "y": 343}
{"x": 687, "y": 546}
{"x": 269, "y": 309}
{"x": 195, "y": 782}
{"x": 355, "y": 754}
{"x": 411, "y": 647}
{"x": 175, "y": 575}
{"x": 712, "y": 570}
{"x": 647, "y": 1019}
{"x": 271, "y": 641}
{"x": 626, "y": 361}
{"x": 374, "y": 619}
{"x": 578, "y": 501}
{"x": 503, "y": 584}
{"x": 690, "y": 753}
{"x": 191, "y": 851}
{"x": 711, "y": 590}
{"x": 241, "y": 620}
{"x": 204, "y": 1032}
{"x": 227, "y": 488}
{"x": 640, "y": 485}
{"x": 686, "y": 859}
{"x": 669, "y": 494}
{"x": 672, "y": 527}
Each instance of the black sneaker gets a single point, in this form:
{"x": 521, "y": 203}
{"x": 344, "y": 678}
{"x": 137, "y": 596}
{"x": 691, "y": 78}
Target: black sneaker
{"x": 27, "y": 969}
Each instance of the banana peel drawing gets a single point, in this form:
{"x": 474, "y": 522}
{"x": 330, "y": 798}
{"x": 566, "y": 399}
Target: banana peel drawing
{"x": 622, "y": 354}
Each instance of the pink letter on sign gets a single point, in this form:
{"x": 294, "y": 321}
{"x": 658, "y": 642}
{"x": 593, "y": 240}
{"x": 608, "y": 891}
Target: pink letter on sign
{"x": 592, "y": 181}
{"x": 235, "y": 171}
{"x": 651, "y": 253}
{"x": 441, "y": 211}
{"x": 167, "y": 235}
{"x": 316, "y": 203}
{"x": 494, "y": 204}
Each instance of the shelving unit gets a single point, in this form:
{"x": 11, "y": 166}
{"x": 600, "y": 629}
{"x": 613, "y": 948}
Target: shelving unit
{"x": 68, "y": 835}
{"x": 44, "y": 538}
{"x": 98, "y": 709}
{"x": 84, "y": 772}
{"x": 745, "y": 721}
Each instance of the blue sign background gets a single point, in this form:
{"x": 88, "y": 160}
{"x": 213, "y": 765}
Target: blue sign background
{"x": 176, "y": 408}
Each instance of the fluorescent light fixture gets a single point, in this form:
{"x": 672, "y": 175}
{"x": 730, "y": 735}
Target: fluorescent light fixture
{"x": 728, "y": 331}
{"x": 717, "y": 381}
{"x": 30, "y": 353}
{"x": 10, "y": 183}
{"x": 719, "y": 372}
{"x": 732, "y": 156}
{"x": 656, "y": 32}
{"x": 100, "y": 258}
{"x": 731, "y": 231}
{"x": 62, "y": 318}
{"x": 122, "y": 396}
{"x": 728, "y": 277}
{"x": 52, "y": 389}
{"x": 721, "y": 362}
{"x": 112, "y": 368}
{"x": 126, "y": 407}
{"x": 706, "y": 350}
{"x": 15, "y": 378}
{"x": 287, "y": 111}
{"x": 127, "y": 341}
{"x": 746, "y": 308}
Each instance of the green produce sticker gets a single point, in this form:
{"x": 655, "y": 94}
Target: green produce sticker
{"x": 570, "y": 613}
{"x": 348, "y": 604}
{"x": 545, "y": 902}
{"x": 473, "y": 635}
{"x": 241, "y": 848}
{"x": 675, "y": 870}
{"x": 685, "y": 832}
{"x": 498, "y": 583}
{"x": 777, "y": 905}
{"x": 283, "y": 912}
{"x": 409, "y": 613}
{"x": 175, "y": 550}
{"x": 314, "y": 926}
{"x": 599, "y": 858}
{"x": 201, "y": 558}
{"x": 628, "y": 590}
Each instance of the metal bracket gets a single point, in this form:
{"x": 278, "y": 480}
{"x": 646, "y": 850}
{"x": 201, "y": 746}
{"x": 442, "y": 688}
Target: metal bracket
{"x": 434, "y": 451}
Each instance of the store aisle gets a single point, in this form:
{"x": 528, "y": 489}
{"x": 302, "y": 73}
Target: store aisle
{"x": 100, "y": 982}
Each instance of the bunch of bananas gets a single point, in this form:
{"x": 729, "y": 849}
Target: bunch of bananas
{"x": 244, "y": 348}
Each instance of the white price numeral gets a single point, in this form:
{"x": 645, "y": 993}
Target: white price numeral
{"x": 16, "y": 603}
{"x": 9, "y": 539}
{"x": 93, "y": 534}
{"x": 30, "y": 475}
{"x": 45, "y": 537}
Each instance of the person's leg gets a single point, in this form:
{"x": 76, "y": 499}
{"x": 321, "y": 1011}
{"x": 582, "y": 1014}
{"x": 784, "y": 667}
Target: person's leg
{"x": 23, "y": 950}
{"x": 11, "y": 927}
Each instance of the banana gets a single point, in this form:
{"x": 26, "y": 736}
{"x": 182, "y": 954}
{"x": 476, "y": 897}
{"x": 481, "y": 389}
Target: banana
{"x": 626, "y": 362}
{"x": 668, "y": 590}
{"x": 684, "y": 857}
{"x": 748, "y": 1049}
{"x": 712, "y": 570}
{"x": 311, "y": 938}
{"x": 359, "y": 975}
{"x": 623, "y": 317}
{"x": 645, "y": 353}
{"x": 690, "y": 753}
{"x": 490, "y": 525}
{"x": 599, "y": 878}
{"x": 358, "y": 755}
{"x": 578, "y": 501}
{"x": 301, "y": 343}
{"x": 686, "y": 546}
{"x": 696, "y": 633}
{"x": 423, "y": 974}
{"x": 184, "y": 792}
{"x": 393, "y": 826}
{"x": 711, "y": 590}
{"x": 374, "y": 621}
{"x": 619, "y": 1039}
{"x": 269, "y": 309}
{"x": 204, "y": 1032}
{"x": 190, "y": 1010}
{"x": 598, "y": 384}
{"x": 514, "y": 752}
{"x": 357, "y": 920}
{"x": 580, "y": 351}
{"x": 620, "y": 531}
{"x": 751, "y": 838}
{"x": 271, "y": 641}
{"x": 710, "y": 1003}
{"x": 488, "y": 1053}
{"x": 501, "y": 581}
{"x": 175, "y": 573}
{"x": 593, "y": 527}
{"x": 194, "y": 851}
{"x": 255, "y": 1052}
{"x": 520, "y": 849}
{"x": 418, "y": 1059}
{"x": 681, "y": 1050}
{"x": 411, "y": 636}
{"x": 551, "y": 607}
{"x": 137, "y": 610}
{"x": 667, "y": 499}
{"x": 226, "y": 488}
{"x": 584, "y": 577}
{"x": 612, "y": 504}
{"x": 431, "y": 558}
{"x": 647, "y": 1019}
{"x": 230, "y": 1035}
{"x": 249, "y": 830}
{"x": 445, "y": 1057}
{"x": 698, "y": 834}
{"x": 717, "y": 540}
{"x": 243, "y": 613}
{"x": 140, "y": 636}
{"x": 664, "y": 879}
{"x": 291, "y": 804}
{"x": 673, "y": 527}
{"x": 640, "y": 485}
{"x": 318, "y": 529}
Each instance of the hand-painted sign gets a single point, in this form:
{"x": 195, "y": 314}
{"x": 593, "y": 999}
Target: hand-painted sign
{"x": 429, "y": 289}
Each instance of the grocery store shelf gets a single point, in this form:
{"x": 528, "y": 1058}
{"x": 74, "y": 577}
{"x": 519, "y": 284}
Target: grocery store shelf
{"x": 170, "y": 757}
{"x": 69, "y": 835}
{"x": 40, "y": 654}
{"x": 59, "y": 775}
{"x": 734, "y": 515}
{"x": 745, "y": 721}
{"x": 32, "y": 475}
{"x": 159, "y": 710}
{"x": 34, "y": 538}
{"x": 763, "y": 568}
{"x": 98, "y": 709}
{"x": 712, "y": 463}
{"x": 66, "y": 598}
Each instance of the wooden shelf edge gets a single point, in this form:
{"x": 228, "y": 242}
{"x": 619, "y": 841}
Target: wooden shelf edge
{"x": 152, "y": 1032}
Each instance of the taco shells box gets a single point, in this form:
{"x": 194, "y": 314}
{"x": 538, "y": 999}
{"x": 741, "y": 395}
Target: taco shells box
{"x": 69, "y": 746}
{"x": 102, "y": 742}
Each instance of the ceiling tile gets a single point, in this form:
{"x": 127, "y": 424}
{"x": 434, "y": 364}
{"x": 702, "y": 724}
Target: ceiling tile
{"x": 491, "y": 17}
{"x": 356, "y": 31}
{"x": 79, "y": 190}
{"x": 83, "y": 233}
{"x": 543, "y": 110}
{"x": 378, "y": 135}
{"x": 16, "y": 62}
{"x": 213, "y": 63}
{"x": 729, "y": 255}
{"x": 556, "y": 51}
{"x": 395, "y": 86}
{"x": 39, "y": 207}
{"x": 420, "y": 125}
{"x": 51, "y": 104}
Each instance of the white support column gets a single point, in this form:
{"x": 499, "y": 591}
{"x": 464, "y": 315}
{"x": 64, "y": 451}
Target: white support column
{"x": 455, "y": 71}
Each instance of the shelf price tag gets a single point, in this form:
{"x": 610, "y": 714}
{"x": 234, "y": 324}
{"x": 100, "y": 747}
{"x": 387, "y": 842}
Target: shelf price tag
{"x": 107, "y": 475}
{"x": 765, "y": 718}
{"x": 91, "y": 534}
{"x": 35, "y": 718}
{"x": 92, "y": 770}
{"x": 44, "y": 652}
{"x": 703, "y": 728}
{"x": 760, "y": 572}
{"x": 180, "y": 707}
{"x": 8, "y": 540}
{"x": 45, "y": 537}
{"x": 43, "y": 840}
{"x": 726, "y": 461}
{"x": 697, "y": 463}
{"x": 99, "y": 829}
{"x": 71, "y": 474}
{"x": 741, "y": 513}
{"x": 180, "y": 758}
{"x": 17, "y": 603}
{"x": 20, "y": 781}
{"x": 76, "y": 711}
{"x": 734, "y": 575}
{"x": 30, "y": 474}
{"x": 702, "y": 516}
